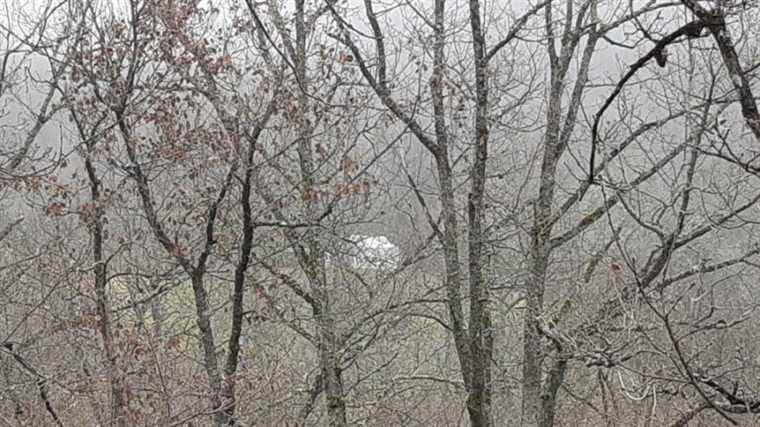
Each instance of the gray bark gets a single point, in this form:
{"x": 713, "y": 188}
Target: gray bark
{"x": 481, "y": 333}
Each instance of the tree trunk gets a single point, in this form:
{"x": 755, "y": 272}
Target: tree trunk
{"x": 94, "y": 220}
{"x": 481, "y": 334}
{"x": 329, "y": 359}
{"x": 532, "y": 357}
{"x": 330, "y": 368}
{"x": 210, "y": 363}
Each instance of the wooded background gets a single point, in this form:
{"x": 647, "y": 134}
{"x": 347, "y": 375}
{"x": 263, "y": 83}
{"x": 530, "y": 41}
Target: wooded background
{"x": 566, "y": 192}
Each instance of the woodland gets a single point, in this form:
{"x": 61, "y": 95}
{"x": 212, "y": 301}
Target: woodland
{"x": 379, "y": 213}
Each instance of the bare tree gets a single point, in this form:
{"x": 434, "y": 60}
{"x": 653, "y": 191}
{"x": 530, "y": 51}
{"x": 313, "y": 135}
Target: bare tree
{"x": 132, "y": 79}
{"x": 473, "y": 339}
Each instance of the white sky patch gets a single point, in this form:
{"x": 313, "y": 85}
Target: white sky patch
{"x": 373, "y": 252}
